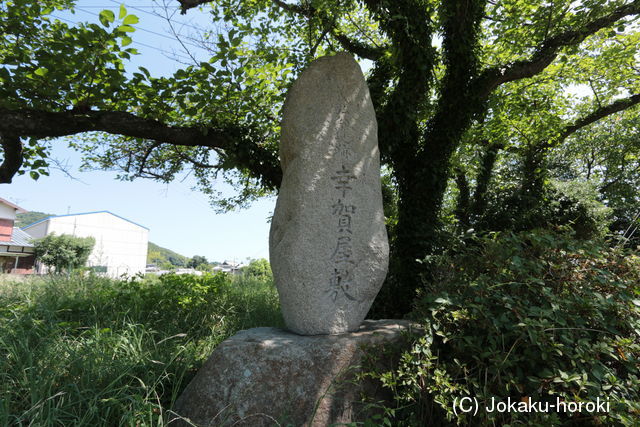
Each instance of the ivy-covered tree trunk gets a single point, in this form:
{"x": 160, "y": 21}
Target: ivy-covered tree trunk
{"x": 423, "y": 174}
{"x": 416, "y": 237}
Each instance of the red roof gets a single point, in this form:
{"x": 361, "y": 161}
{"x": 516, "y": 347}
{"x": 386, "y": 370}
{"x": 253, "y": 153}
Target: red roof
{"x": 16, "y": 207}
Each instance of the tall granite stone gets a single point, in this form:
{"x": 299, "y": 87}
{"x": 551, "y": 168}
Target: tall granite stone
{"x": 328, "y": 243}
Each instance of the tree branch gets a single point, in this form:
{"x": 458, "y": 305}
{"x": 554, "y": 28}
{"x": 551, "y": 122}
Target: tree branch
{"x": 12, "y": 161}
{"x": 295, "y": 8}
{"x": 455, "y": 109}
{"x": 493, "y": 77}
{"x": 353, "y": 46}
{"x": 45, "y": 124}
{"x": 145, "y": 156}
{"x": 190, "y": 4}
{"x": 359, "y": 48}
{"x": 600, "y": 113}
{"x": 233, "y": 140}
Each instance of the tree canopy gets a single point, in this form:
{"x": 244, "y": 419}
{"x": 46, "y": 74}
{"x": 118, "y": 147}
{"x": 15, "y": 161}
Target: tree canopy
{"x": 64, "y": 252}
{"x": 468, "y": 93}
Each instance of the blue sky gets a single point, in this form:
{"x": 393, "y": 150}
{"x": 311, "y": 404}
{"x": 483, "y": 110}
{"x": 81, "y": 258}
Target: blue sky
{"x": 178, "y": 218}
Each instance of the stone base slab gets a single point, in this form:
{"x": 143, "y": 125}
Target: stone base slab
{"x": 268, "y": 377}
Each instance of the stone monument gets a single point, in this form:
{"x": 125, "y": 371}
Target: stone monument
{"x": 328, "y": 243}
{"x": 329, "y": 255}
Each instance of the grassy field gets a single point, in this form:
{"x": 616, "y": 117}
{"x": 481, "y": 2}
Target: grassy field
{"x": 95, "y": 351}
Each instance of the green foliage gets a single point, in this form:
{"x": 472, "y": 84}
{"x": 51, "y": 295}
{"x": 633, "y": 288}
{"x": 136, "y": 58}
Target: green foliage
{"x": 94, "y": 351}
{"x": 163, "y": 256}
{"x": 198, "y": 261}
{"x": 572, "y": 204}
{"x": 63, "y": 252}
{"x": 607, "y": 156}
{"x": 389, "y": 201}
{"x": 258, "y": 269}
{"x": 24, "y": 219}
{"x": 533, "y": 315}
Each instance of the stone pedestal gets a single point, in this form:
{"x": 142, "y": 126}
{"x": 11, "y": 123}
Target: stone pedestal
{"x": 269, "y": 377}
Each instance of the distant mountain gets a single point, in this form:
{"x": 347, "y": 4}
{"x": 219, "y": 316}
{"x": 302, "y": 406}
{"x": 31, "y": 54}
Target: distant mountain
{"x": 159, "y": 256}
{"x": 24, "y": 219}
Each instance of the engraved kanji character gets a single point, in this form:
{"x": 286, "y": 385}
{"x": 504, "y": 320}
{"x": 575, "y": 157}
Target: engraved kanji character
{"x": 340, "y": 208}
{"x": 344, "y": 224}
{"x": 343, "y": 249}
{"x": 342, "y": 178}
{"x": 340, "y": 281}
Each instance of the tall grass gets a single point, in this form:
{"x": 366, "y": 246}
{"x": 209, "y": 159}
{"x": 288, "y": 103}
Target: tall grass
{"x": 95, "y": 351}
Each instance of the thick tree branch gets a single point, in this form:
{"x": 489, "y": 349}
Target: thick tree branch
{"x": 398, "y": 116}
{"x": 12, "y": 148}
{"x": 44, "y": 124}
{"x": 491, "y": 78}
{"x": 455, "y": 109}
{"x": 535, "y": 154}
{"x": 600, "y": 113}
{"x": 359, "y": 48}
{"x": 233, "y": 140}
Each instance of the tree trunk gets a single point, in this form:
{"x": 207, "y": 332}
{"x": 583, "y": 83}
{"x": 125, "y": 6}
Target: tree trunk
{"x": 421, "y": 191}
{"x": 463, "y": 202}
{"x": 487, "y": 164}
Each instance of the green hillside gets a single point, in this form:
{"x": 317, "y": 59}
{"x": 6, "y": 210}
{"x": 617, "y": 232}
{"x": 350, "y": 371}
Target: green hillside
{"x": 162, "y": 256}
{"x": 24, "y": 219}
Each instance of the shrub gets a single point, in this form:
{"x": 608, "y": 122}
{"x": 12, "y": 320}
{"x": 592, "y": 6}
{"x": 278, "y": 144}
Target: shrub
{"x": 561, "y": 204}
{"x": 529, "y": 316}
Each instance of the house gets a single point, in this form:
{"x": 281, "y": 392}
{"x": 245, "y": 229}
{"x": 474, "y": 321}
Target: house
{"x": 228, "y": 267}
{"x": 121, "y": 244}
{"x": 16, "y": 249}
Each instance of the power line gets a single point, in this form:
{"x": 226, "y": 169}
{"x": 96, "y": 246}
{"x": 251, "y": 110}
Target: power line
{"x": 105, "y": 6}
{"x": 134, "y": 41}
{"x": 147, "y": 31}
{"x": 157, "y": 15}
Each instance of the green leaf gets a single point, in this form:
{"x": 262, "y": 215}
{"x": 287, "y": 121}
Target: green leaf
{"x": 126, "y": 41}
{"x": 130, "y": 19}
{"x": 41, "y": 71}
{"x": 125, "y": 29}
{"x": 107, "y": 17}
{"x": 34, "y": 175}
{"x": 123, "y": 12}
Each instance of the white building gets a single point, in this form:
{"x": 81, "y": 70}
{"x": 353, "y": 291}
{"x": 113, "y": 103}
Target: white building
{"x": 121, "y": 245}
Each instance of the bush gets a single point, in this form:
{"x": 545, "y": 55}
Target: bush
{"x": 530, "y": 316}
{"x": 561, "y": 204}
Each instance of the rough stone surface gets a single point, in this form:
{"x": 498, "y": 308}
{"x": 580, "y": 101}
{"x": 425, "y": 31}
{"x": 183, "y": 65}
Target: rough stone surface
{"x": 268, "y": 377}
{"x": 328, "y": 243}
